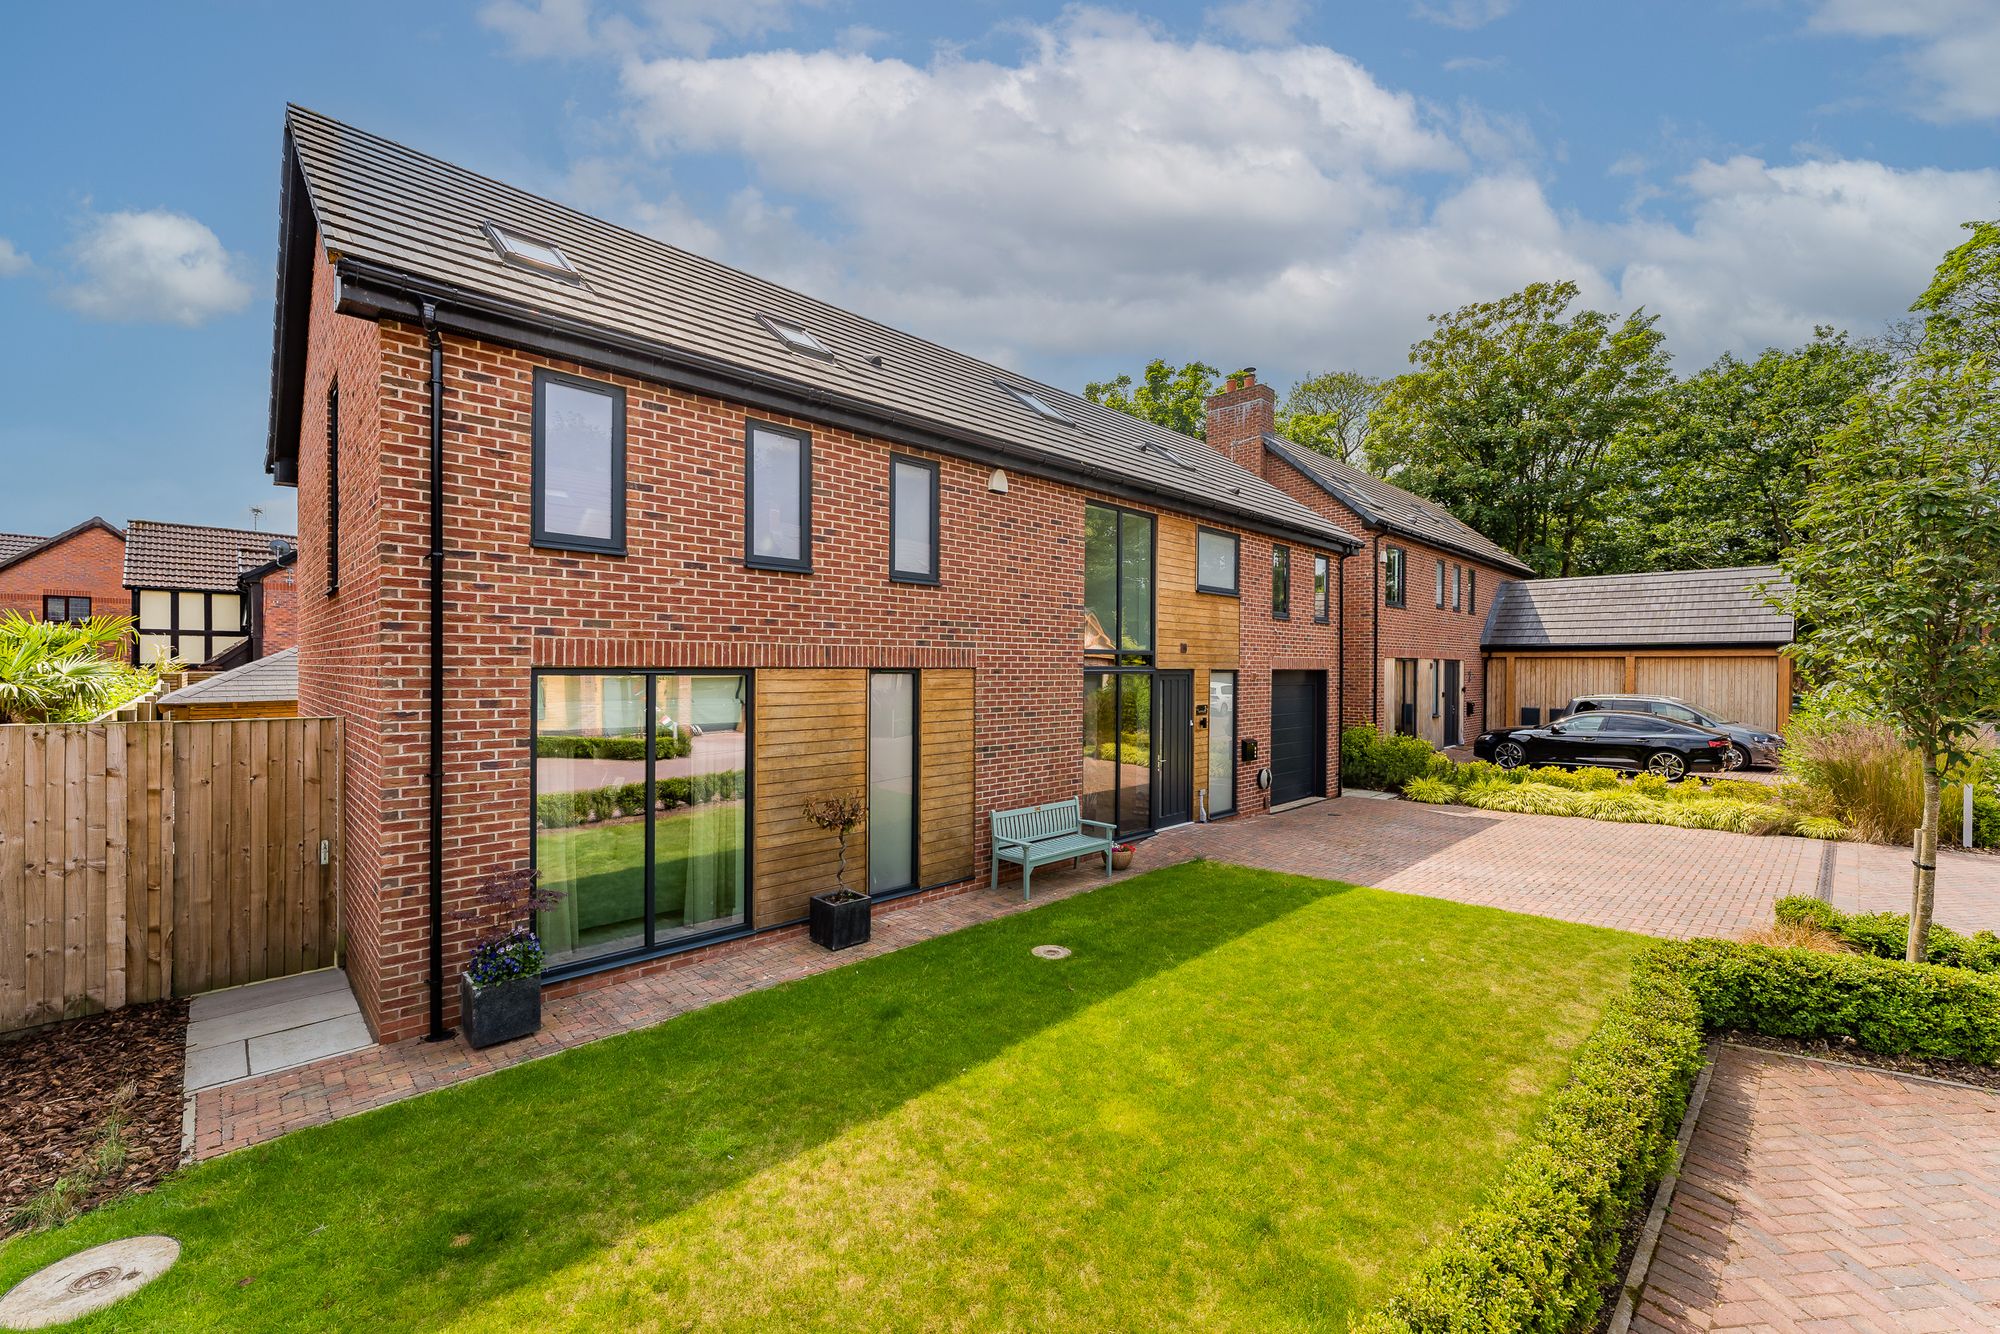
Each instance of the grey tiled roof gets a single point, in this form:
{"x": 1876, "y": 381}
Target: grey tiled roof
{"x": 388, "y": 209}
{"x": 17, "y": 544}
{"x": 1665, "y": 609}
{"x": 271, "y": 680}
{"x": 1382, "y": 505}
{"x": 192, "y": 556}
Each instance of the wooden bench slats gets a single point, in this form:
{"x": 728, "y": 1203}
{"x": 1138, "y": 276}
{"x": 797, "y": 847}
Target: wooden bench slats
{"x": 1053, "y": 832}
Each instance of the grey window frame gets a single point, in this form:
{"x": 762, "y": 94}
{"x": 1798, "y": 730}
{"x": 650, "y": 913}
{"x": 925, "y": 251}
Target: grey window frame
{"x": 1281, "y": 559}
{"x": 1235, "y": 562}
{"x": 1396, "y": 590}
{"x": 333, "y": 487}
{"x": 1471, "y": 590}
{"x": 540, "y": 534}
{"x": 1440, "y": 583}
{"x": 803, "y": 565}
{"x": 1119, "y": 655}
{"x": 1322, "y": 594}
{"x": 937, "y": 501}
{"x": 69, "y": 601}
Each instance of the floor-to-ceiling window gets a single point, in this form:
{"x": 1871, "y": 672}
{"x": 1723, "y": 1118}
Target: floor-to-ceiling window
{"x": 892, "y": 781}
{"x": 646, "y": 842}
{"x": 1118, "y": 588}
{"x": 1221, "y": 742}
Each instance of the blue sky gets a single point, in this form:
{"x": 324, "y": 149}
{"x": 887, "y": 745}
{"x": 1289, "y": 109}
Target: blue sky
{"x": 1067, "y": 189}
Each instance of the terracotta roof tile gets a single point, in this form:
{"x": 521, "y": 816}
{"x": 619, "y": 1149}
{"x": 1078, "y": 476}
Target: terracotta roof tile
{"x": 186, "y": 555}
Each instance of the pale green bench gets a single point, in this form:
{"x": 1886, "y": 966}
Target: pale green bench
{"x": 1037, "y": 835}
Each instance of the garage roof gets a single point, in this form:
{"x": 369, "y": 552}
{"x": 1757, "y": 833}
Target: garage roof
{"x": 1670, "y": 608}
{"x": 404, "y": 228}
{"x": 270, "y": 680}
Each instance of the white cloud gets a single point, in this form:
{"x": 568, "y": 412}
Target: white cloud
{"x": 1951, "y": 49}
{"x": 1463, "y": 14}
{"x": 12, "y": 261}
{"x": 1262, "y": 22}
{"x": 152, "y": 267}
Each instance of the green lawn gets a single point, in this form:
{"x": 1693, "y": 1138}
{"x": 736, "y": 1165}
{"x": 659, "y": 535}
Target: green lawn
{"x": 1243, "y": 1104}
{"x": 601, "y": 864}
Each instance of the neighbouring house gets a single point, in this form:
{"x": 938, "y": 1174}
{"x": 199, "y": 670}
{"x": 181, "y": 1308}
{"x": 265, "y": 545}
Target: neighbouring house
{"x": 267, "y": 687}
{"x": 1709, "y": 637}
{"x": 186, "y": 585}
{"x": 614, "y": 557}
{"x": 1410, "y": 642}
{"x": 72, "y": 576}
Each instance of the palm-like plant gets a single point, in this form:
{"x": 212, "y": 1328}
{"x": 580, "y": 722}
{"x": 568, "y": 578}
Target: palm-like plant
{"x": 49, "y": 669}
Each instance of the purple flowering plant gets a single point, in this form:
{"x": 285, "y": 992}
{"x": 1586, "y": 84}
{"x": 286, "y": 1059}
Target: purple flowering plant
{"x": 509, "y": 948}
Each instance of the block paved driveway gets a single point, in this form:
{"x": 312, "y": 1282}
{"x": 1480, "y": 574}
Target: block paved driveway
{"x": 1831, "y": 1197}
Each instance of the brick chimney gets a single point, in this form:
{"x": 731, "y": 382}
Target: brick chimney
{"x": 1240, "y": 417}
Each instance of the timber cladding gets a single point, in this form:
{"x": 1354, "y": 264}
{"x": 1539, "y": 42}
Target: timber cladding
{"x": 146, "y": 860}
{"x": 811, "y": 731}
{"x": 1752, "y": 685}
{"x": 945, "y": 796}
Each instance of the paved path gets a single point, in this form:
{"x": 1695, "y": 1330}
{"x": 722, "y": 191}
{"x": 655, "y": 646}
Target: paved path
{"x": 1831, "y": 1197}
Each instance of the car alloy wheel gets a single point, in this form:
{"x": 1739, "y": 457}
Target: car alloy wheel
{"x": 1667, "y": 765}
{"x": 1735, "y": 758}
{"x": 1509, "y": 755}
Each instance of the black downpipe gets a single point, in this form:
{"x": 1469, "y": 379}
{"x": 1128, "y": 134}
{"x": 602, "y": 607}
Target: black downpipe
{"x": 1375, "y": 650}
{"x": 1340, "y": 671}
{"x": 438, "y": 1031}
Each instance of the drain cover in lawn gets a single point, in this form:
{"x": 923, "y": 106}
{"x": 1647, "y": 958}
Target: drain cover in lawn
{"x": 87, "y": 1281}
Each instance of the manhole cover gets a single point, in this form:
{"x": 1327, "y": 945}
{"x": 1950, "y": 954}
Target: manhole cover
{"x": 1050, "y": 952}
{"x": 87, "y": 1281}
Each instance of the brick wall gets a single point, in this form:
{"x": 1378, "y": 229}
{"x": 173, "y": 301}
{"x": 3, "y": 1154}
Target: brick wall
{"x": 281, "y": 609}
{"x": 89, "y": 563}
{"x": 1009, "y": 604}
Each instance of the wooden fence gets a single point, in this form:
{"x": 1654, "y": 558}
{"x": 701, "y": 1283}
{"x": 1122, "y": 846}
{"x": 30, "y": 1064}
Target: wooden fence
{"x": 150, "y": 859}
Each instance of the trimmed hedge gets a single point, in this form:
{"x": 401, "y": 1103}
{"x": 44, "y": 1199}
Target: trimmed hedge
{"x": 565, "y": 810}
{"x": 1369, "y": 759}
{"x": 1899, "y": 1009}
{"x": 1886, "y": 935}
{"x": 1539, "y": 1252}
{"x": 671, "y": 746}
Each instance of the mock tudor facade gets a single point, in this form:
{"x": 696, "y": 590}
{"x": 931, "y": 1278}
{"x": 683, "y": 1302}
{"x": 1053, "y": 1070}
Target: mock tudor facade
{"x": 613, "y": 557}
{"x": 1415, "y": 599}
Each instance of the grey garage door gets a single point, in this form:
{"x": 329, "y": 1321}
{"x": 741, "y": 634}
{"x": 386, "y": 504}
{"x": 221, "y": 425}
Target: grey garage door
{"x": 1298, "y": 736}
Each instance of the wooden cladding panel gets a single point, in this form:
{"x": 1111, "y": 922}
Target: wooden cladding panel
{"x": 143, "y": 860}
{"x": 1208, "y": 624}
{"x": 811, "y": 741}
{"x": 1737, "y": 689}
{"x": 1550, "y": 683}
{"x": 945, "y": 831}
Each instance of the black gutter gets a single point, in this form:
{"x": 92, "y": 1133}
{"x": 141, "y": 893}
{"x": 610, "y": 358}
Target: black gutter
{"x": 372, "y": 292}
{"x": 436, "y": 557}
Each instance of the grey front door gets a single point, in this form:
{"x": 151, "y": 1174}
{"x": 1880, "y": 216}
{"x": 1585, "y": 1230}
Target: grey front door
{"x": 1173, "y": 748}
{"x": 1453, "y": 709}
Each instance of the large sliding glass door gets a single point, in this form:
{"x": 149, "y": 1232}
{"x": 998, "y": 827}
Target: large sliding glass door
{"x": 1118, "y": 749}
{"x": 892, "y": 781}
{"x": 641, "y": 808}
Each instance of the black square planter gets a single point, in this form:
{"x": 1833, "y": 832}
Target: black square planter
{"x": 839, "y": 925}
{"x": 501, "y": 1012}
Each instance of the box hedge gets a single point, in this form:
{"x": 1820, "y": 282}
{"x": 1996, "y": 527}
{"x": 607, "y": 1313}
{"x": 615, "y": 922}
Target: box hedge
{"x": 1886, "y": 935}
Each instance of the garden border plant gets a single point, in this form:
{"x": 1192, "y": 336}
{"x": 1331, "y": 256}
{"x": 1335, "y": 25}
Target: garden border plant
{"x": 1539, "y": 1252}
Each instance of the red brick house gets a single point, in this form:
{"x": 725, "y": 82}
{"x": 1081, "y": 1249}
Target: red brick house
{"x": 74, "y": 575}
{"x": 1416, "y": 601}
{"x": 614, "y": 556}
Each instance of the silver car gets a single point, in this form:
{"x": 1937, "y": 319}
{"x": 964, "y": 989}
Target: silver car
{"x": 1749, "y": 746}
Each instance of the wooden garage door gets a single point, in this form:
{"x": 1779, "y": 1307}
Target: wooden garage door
{"x": 1737, "y": 689}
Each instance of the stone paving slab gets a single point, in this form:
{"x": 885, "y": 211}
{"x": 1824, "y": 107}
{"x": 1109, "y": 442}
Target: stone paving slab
{"x": 269, "y": 1026}
{"x": 1818, "y": 1196}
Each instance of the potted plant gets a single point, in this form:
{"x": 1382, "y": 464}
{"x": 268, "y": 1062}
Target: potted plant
{"x": 840, "y": 917}
{"x": 500, "y": 992}
{"x": 1121, "y": 856}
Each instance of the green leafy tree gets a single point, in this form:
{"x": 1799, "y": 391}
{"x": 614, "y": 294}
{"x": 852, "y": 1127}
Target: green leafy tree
{"x": 1896, "y": 574}
{"x": 1715, "y": 477}
{"x": 1513, "y": 417}
{"x": 1173, "y": 397}
{"x": 52, "y": 672}
{"x": 1330, "y": 413}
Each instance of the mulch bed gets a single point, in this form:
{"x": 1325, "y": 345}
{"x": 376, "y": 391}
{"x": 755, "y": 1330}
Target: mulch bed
{"x": 58, "y": 1084}
{"x": 1841, "y": 1049}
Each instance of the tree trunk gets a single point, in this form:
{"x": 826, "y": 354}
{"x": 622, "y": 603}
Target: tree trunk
{"x": 1923, "y": 885}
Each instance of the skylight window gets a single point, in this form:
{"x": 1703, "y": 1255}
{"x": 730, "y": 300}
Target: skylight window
{"x": 798, "y": 339}
{"x": 526, "y": 251}
{"x": 1155, "y": 447}
{"x": 1035, "y": 404}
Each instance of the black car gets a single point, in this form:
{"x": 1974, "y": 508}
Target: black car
{"x": 1751, "y": 747}
{"x": 1610, "y": 740}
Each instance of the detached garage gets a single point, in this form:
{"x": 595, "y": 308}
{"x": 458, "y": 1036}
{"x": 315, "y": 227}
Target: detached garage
{"x": 1706, "y": 636}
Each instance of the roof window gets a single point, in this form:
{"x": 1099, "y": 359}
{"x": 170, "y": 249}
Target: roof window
{"x": 526, "y": 251}
{"x": 1034, "y": 403}
{"x": 798, "y": 339}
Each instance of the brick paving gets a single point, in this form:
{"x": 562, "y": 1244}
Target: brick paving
{"x": 1829, "y": 1197}
{"x": 1660, "y": 881}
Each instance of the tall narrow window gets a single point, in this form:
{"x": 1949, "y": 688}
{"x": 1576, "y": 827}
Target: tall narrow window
{"x": 1471, "y": 590}
{"x": 1321, "y": 592}
{"x": 1117, "y": 583}
{"x": 892, "y": 781}
{"x": 913, "y": 520}
{"x": 579, "y": 461}
{"x": 1281, "y": 583}
{"x": 1458, "y": 588}
{"x": 333, "y": 488}
{"x": 777, "y": 498}
{"x": 1440, "y": 584}
{"x": 1221, "y": 742}
{"x": 1215, "y": 562}
{"x": 1394, "y": 589}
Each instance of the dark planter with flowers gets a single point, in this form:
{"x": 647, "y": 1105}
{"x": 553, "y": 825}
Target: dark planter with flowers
{"x": 500, "y": 992}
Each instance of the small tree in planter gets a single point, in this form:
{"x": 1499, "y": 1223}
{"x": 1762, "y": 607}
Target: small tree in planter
{"x": 500, "y": 992}
{"x": 840, "y": 917}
